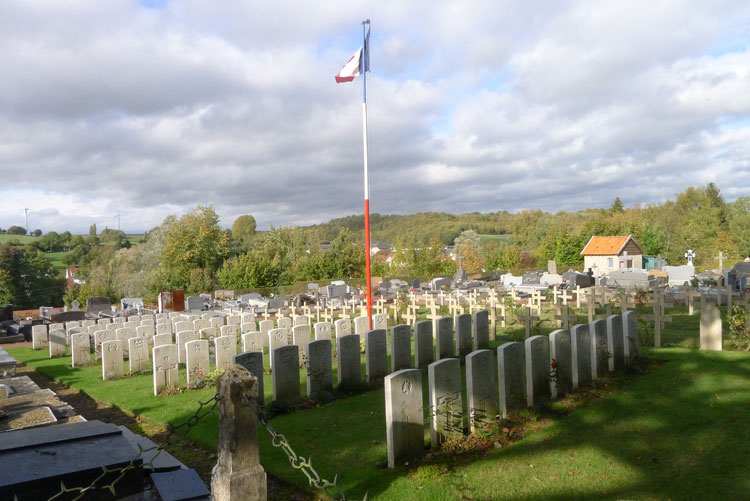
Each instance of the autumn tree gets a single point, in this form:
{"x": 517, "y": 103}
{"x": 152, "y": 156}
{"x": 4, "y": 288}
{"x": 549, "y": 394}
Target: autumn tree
{"x": 243, "y": 231}
{"x": 194, "y": 242}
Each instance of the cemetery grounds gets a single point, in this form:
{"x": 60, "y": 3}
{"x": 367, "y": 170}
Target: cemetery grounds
{"x": 675, "y": 427}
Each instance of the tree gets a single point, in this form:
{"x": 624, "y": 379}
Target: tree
{"x": 195, "y": 241}
{"x": 92, "y": 229}
{"x": 27, "y": 278}
{"x": 617, "y": 206}
{"x": 243, "y": 230}
{"x": 464, "y": 239}
{"x": 16, "y": 230}
{"x": 36, "y": 233}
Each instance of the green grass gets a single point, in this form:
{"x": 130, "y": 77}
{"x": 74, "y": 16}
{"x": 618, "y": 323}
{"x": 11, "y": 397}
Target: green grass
{"x": 56, "y": 258}
{"x": 22, "y": 239}
{"x": 679, "y": 431}
{"x": 484, "y": 239}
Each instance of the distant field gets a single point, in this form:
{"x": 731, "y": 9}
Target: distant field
{"x": 24, "y": 239}
{"x": 56, "y": 258}
{"x": 484, "y": 239}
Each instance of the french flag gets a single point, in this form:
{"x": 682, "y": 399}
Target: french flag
{"x": 351, "y": 69}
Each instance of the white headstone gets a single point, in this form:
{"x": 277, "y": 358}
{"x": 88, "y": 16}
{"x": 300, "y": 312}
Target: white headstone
{"x": 80, "y": 349}
{"x": 252, "y": 341}
{"x": 481, "y": 330}
{"x": 615, "y": 343}
{"x": 380, "y": 321}
{"x": 182, "y": 338}
{"x": 510, "y": 377}
{"x": 285, "y": 374}
{"x": 580, "y": 347}
{"x": 560, "y": 363}
{"x": 599, "y": 348}
{"x": 112, "y": 357}
{"x": 711, "y": 337}
{"x": 319, "y": 366}
{"x": 39, "y": 337}
{"x": 400, "y": 347}
{"x": 301, "y": 335}
{"x": 166, "y": 373}
{"x": 197, "y": 361}
{"x": 376, "y": 357}
{"x": 225, "y": 350}
{"x": 446, "y": 405}
{"x": 343, "y": 327}
{"x": 481, "y": 394}
{"x": 349, "y": 362}
{"x": 322, "y": 330}
{"x": 463, "y": 335}
{"x": 537, "y": 369}
{"x": 57, "y": 341}
{"x": 424, "y": 352}
{"x": 361, "y": 325}
{"x": 162, "y": 339}
{"x": 444, "y": 338}
{"x": 404, "y": 422}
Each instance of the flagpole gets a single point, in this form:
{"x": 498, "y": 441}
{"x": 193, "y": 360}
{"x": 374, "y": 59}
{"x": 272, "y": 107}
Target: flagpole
{"x": 365, "y": 49}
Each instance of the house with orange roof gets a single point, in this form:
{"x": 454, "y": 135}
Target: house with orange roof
{"x": 604, "y": 254}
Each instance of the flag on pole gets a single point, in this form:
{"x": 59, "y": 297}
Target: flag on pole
{"x": 353, "y": 67}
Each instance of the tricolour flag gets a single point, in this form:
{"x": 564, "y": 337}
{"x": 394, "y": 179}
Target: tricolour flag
{"x": 353, "y": 66}
{"x": 351, "y": 69}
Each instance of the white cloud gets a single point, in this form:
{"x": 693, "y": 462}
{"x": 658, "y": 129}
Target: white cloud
{"x": 475, "y": 105}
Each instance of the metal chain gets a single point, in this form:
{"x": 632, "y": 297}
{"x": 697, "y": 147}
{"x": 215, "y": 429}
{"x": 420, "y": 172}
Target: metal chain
{"x": 298, "y": 462}
{"x": 204, "y": 409}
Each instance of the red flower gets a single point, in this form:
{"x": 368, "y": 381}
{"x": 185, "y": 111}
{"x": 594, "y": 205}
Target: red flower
{"x": 554, "y": 363}
{"x": 200, "y": 373}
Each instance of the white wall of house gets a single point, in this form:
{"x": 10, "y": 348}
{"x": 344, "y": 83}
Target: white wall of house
{"x": 605, "y": 264}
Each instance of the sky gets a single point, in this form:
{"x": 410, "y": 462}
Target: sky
{"x": 150, "y": 108}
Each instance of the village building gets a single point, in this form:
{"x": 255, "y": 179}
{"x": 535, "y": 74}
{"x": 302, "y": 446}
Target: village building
{"x": 605, "y": 254}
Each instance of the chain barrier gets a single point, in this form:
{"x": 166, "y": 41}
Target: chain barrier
{"x": 298, "y": 462}
{"x": 204, "y": 409}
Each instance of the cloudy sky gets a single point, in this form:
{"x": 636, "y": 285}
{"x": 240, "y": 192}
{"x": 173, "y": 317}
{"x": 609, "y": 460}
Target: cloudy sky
{"x": 150, "y": 108}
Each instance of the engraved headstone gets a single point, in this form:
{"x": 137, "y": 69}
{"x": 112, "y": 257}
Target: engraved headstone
{"x": 376, "y": 357}
{"x": 380, "y": 321}
{"x": 599, "y": 348}
{"x": 537, "y": 369}
{"x": 196, "y": 361}
{"x": 301, "y": 320}
{"x": 253, "y": 362}
{"x": 285, "y": 375}
{"x": 162, "y": 339}
{"x": 481, "y": 330}
{"x": 510, "y": 378}
{"x": 632, "y": 342}
{"x": 138, "y": 348}
{"x": 57, "y": 341}
{"x": 319, "y": 366}
{"x": 112, "y": 357}
{"x": 400, "y": 347}
{"x": 424, "y": 353}
{"x": 560, "y": 363}
{"x": 38, "y": 337}
{"x": 322, "y": 330}
{"x": 403, "y": 415}
{"x": 252, "y": 341}
{"x": 463, "y": 335}
{"x": 580, "y": 346}
{"x": 264, "y": 327}
{"x": 343, "y": 327}
{"x": 349, "y": 362}
{"x": 444, "y": 338}
{"x": 361, "y": 325}
{"x": 182, "y": 338}
{"x": 615, "y": 343}
{"x": 481, "y": 395}
{"x": 80, "y": 349}
{"x": 711, "y": 337}
{"x": 166, "y": 374}
{"x": 301, "y": 335}
{"x": 284, "y": 323}
{"x": 225, "y": 348}
{"x": 446, "y": 405}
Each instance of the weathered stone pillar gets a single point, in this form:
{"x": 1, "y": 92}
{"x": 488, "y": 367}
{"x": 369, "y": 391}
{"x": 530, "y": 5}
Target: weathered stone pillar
{"x": 238, "y": 474}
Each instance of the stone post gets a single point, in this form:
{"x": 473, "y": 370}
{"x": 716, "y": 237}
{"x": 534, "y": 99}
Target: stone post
{"x": 238, "y": 474}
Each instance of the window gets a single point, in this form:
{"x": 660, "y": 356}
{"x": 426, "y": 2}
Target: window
{"x": 610, "y": 262}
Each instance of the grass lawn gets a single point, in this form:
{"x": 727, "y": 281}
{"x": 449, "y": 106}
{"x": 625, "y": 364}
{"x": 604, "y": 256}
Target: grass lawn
{"x": 483, "y": 239}
{"x": 22, "y": 239}
{"x": 678, "y": 431}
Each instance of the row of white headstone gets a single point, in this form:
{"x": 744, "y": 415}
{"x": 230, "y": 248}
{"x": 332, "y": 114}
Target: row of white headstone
{"x": 541, "y": 368}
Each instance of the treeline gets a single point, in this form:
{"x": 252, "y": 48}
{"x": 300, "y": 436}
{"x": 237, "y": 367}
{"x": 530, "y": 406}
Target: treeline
{"x": 196, "y": 254}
